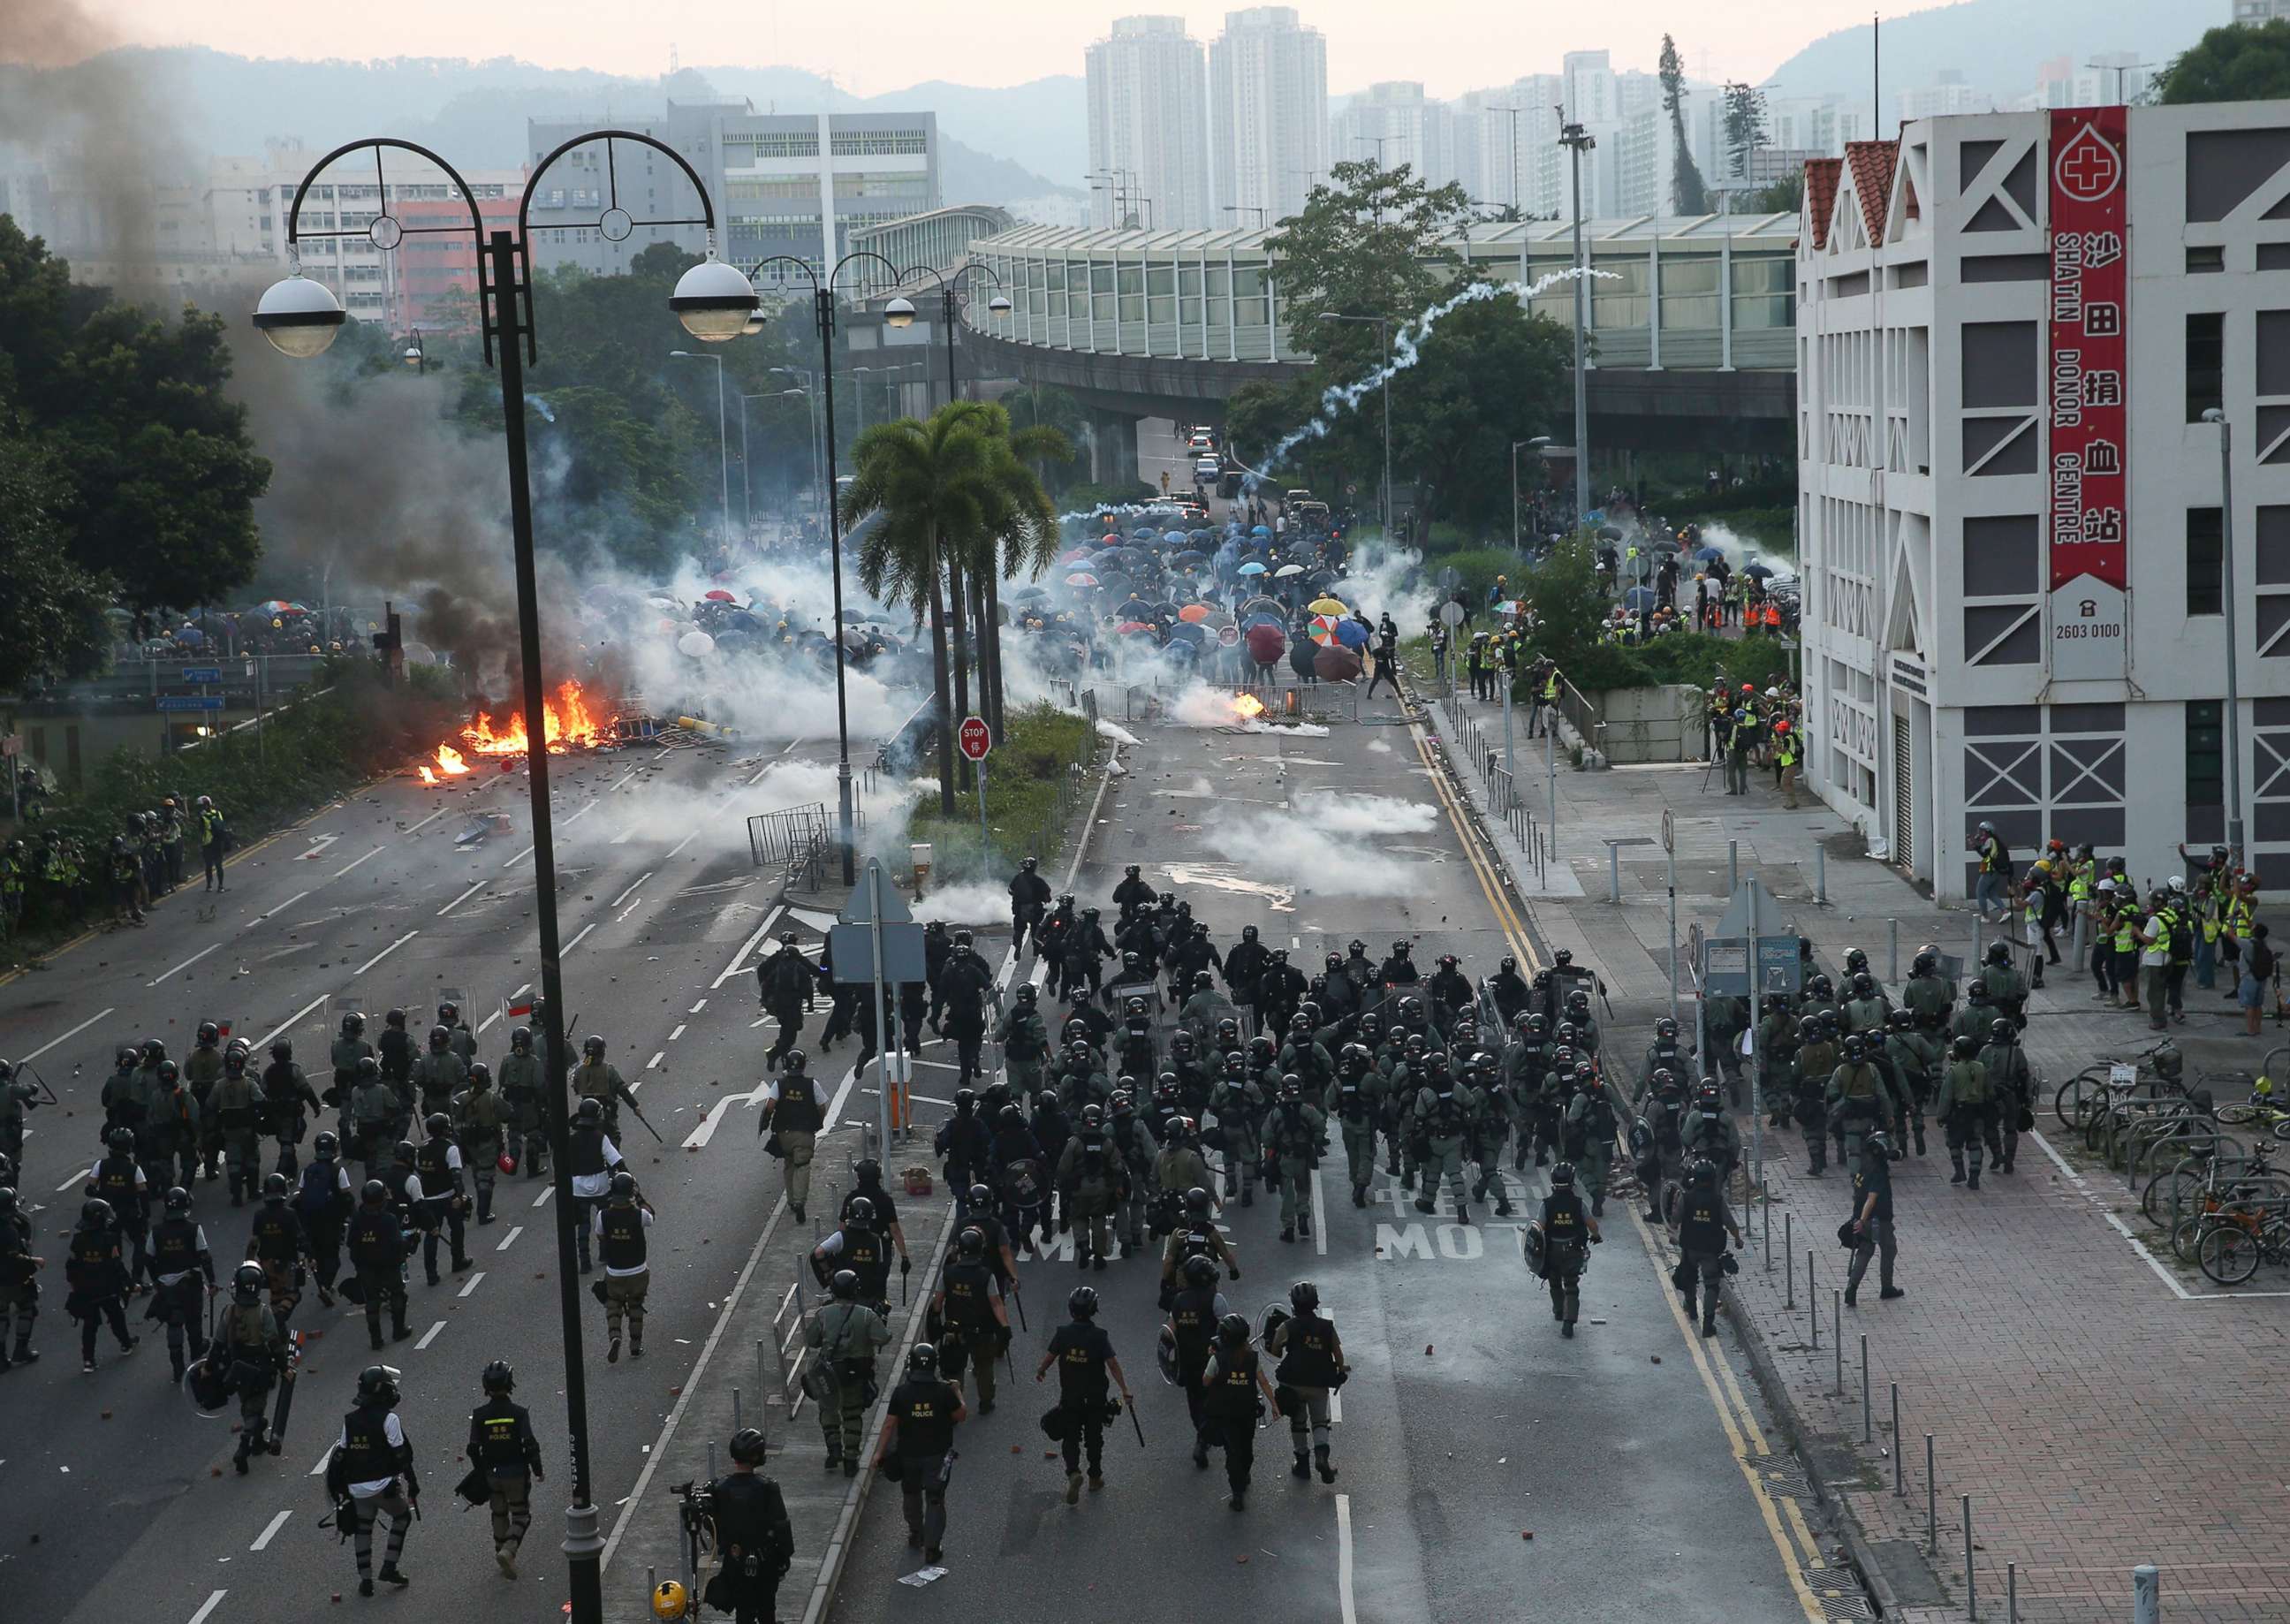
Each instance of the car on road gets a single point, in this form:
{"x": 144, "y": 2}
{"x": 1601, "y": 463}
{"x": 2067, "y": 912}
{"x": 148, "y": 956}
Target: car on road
{"x": 1207, "y": 469}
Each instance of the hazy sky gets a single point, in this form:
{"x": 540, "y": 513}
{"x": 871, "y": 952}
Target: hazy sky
{"x": 1452, "y": 45}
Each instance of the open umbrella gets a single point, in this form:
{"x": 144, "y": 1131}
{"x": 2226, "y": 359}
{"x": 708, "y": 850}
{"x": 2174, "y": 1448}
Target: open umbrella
{"x": 1133, "y": 608}
{"x": 1763, "y": 571}
{"x": 1326, "y": 605}
{"x": 1081, "y": 579}
{"x": 1321, "y": 578}
{"x": 278, "y": 607}
{"x": 1172, "y": 535}
{"x": 1261, "y": 530}
{"x": 1323, "y": 628}
{"x": 1190, "y": 556}
{"x": 1028, "y": 591}
{"x": 1609, "y": 533}
{"x": 1128, "y": 629}
{"x": 1193, "y": 614}
{"x": 1187, "y": 633}
{"x": 1640, "y": 597}
{"x": 1708, "y": 554}
{"x": 718, "y": 595}
{"x": 854, "y": 616}
{"x": 1287, "y": 570}
{"x": 1351, "y": 634}
{"x": 1251, "y": 568}
{"x": 1335, "y": 664}
{"x": 1266, "y": 643}
{"x": 1142, "y": 529}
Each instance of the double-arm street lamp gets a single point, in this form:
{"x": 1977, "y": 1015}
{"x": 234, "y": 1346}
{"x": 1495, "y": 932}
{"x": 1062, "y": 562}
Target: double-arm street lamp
{"x": 301, "y": 318}
{"x": 952, "y": 296}
{"x": 898, "y": 313}
{"x": 1382, "y": 323}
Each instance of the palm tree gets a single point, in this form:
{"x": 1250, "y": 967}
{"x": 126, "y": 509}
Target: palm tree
{"x": 951, "y": 494}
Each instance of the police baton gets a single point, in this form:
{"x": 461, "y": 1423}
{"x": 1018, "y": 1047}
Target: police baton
{"x": 44, "y": 1089}
{"x": 906, "y": 1268}
{"x": 637, "y": 1111}
{"x": 1018, "y": 1300}
{"x": 1138, "y": 1425}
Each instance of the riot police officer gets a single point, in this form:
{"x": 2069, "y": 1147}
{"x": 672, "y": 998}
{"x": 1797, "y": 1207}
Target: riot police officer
{"x": 792, "y": 1115}
{"x": 479, "y": 1121}
{"x": 1084, "y": 1355}
{"x": 1703, "y": 1224}
{"x": 1311, "y": 1367}
{"x": 975, "y": 1325}
{"x": 845, "y": 1336}
{"x": 370, "y": 1476}
{"x": 753, "y": 1540}
{"x": 918, "y": 1442}
{"x": 98, "y": 1278}
{"x": 376, "y": 1243}
{"x": 1567, "y": 1232}
{"x": 1234, "y": 1378}
{"x": 180, "y": 1265}
{"x": 502, "y": 1446}
{"x": 255, "y": 1344}
{"x": 523, "y": 1096}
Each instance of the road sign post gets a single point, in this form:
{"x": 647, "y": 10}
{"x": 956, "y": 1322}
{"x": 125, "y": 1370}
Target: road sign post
{"x": 977, "y": 742}
{"x": 882, "y": 929}
{"x": 1669, "y": 851}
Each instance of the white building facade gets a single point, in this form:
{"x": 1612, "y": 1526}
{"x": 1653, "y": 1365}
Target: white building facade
{"x": 1149, "y": 123}
{"x": 1268, "y": 112}
{"x": 2014, "y": 550}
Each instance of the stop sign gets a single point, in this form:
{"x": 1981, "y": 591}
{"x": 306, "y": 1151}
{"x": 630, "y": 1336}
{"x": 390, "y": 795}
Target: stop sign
{"x": 975, "y": 738}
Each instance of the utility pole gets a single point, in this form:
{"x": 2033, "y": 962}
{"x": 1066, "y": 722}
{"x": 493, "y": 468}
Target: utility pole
{"x": 2233, "y": 706}
{"x": 1578, "y": 140}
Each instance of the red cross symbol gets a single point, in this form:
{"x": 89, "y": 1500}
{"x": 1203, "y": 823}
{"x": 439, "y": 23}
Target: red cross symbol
{"x": 2088, "y": 167}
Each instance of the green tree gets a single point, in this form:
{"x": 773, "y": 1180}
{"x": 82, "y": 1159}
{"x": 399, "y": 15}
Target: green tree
{"x": 1745, "y": 126}
{"x": 1687, "y": 192}
{"x": 1785, "y": 195}
{"x": 53, "y": 610}
{"x": 945, "y": 493}
{"x": 1491, "y": 373}
{"x": 1568, "y": 608}
{"x": 2230, "y": 64}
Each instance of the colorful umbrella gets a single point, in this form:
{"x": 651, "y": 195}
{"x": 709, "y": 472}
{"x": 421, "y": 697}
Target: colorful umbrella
{"x": 278, "y": 606}
{"x": 1129, "y": 627}
{"x": 1194, "y": 612}
{"x": 1326, "y": 605}
{"x": 1081, "y": 579}
{"x": 1323, "y": 628}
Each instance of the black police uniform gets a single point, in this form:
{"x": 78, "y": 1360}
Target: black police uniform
{"x": 1701, "y": 1245}
{"x": 754, "y": 1542}
{"x": 376, "y": 1242}
{"x": 1231, "y": 1405}
{"x": 1081, "y": 1350}
{"x": 1874, "y": 1176}
{"x": 1565, "y": 1232}
{"x": 924, "y": 1409}
{"x": 502, "y": 1445}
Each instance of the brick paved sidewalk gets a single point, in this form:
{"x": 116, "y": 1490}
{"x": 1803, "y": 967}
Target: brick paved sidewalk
{"x": 2099, "y": 1414}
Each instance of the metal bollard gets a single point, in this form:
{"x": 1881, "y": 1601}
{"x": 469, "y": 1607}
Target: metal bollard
{"x": 1812, "y": 1301}
{"x": 1613, "y": 874}
{"x": 1900, "y": 1475}
{"x": 1820, "y": 874}
{"x": 1765, "y": 1192}
{"x": 2012, "y": 1593}
{"x": 1868, "y": 1421}
{"x": 1931, "y": 1502}
{"x": 736, "y": 1423}
{"x": 1733, "y": 864}
{"x": 1788, "y": 1260}
{"x": 1894, "y": 930}
{"x": 1837, "y": 1338}
{"x": 1971, "y": 1582}
{"x": 2146, "y": 1593}
{"x": 711, "y": 1460}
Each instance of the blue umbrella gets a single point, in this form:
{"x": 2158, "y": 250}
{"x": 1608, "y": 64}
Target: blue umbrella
{"x": 1172, "y": 535}
{"x": 1351, "y": 634}
{"x": 1262, "y": 619}
{"x": 1254, "y": 567}
{"x": 1186, "y": 631}
{"x": 1142, "y": 531}
{"x": 1640, "y": 597}
{"x": 1763, "y": 571}
{"x": 1708, "y": 554}
{"x": 1261, "y": 530}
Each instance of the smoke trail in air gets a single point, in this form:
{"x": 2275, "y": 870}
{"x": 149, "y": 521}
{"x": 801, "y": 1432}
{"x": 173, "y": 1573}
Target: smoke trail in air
{"x": 1406, "y": 350}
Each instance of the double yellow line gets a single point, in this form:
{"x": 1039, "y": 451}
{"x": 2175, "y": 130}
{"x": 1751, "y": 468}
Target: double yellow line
{"x": 1784, "y": 1518}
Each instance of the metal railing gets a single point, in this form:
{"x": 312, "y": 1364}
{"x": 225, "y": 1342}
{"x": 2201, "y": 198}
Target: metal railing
{"x": 1588, "y": 721}
{"x": 1470, "y": 741}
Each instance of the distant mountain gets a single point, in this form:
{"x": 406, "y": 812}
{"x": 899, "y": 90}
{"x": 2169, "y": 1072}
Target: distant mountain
{"x": 996, "y": 145}
{"x": 1996, "y": 44}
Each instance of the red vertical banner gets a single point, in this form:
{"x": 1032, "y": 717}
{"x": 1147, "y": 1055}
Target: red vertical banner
{"x": 2088, "y": 389}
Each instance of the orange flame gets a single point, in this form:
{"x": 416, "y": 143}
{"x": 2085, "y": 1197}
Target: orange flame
{"x": 450, "y": 759}
{"x": 1247, "y": 706}
{"x": 429, "y": 776}
{"x": 567, "y": 719}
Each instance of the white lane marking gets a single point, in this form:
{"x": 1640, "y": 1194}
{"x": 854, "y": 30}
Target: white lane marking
{"x": 386, "y": 952}
{"x": 520, "y": 858}
{"x": 488, "y": 1021}
{"x": 264, "y": 1040}
{"x": 654, "y": 1064}
{"x": 630, "y": 908}
{"x": 577, "y": 816}
{"x": 680, "y": 844}
{"x": 432, "y": 818}
{"x": 696, "y": 1008}
{"x": 2083, "y": 1187}
{"x": 187, "y": 962}
{"x": 541, "y": 1200}
{"x": 275, "y": 1524}
{"x": 630, "y": 892}
{"x": 1335, "y": 1406}
{"x": 470, "y": 1284}
{"x": 67, "y": 1037}
{"x": 835, "y": 1107}
{"x": 1344, "y": 1558}
{"x": 319, "y": 1470}
{"x": 925, "y": 1099}
{"x": 740, "y": 958}
{"x": 354, "y": 861}
{"x": 1319, "y": 1218}
{"x": 283, "y": 906}
{"x": 1295, "y": 944}
{"x": 428, "y": 1336}
{"x": 768, "y": 765}
{"x": 464, "y": 897}
{"x": 575, "y": 942}
{"x": 318, "y": 843}
{"x": 672, "y": 1037}
{"x": 508, "y": 1239}
{"x": 215, "y": 1600}
{"x": 74, "y": 1178}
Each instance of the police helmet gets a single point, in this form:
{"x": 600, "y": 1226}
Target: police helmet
{"x": 121, "y": 1140}
{"x": 1967, "y": 1047}
{"x": 589, "y": 1113}
{"x": 1864, "y": 985}
{"x": 178, "y": 1200}
{"x": 2000, "y": 1029}
{"x": 436, "y": 1124}
{"x": 403, "y": 1153}
{"x": 861, "y": 1210}
{"x": 374, "y": 1192}
{"x": 1232, "y": 1330}
{"x": 1976, "y": 990}
{"x": 368, "y": 1068}
{"x": 795, "y": 1061}
{"x": 167, "y": 1074}
{"x": 1999, "y": 953}
{"x": 1200, "y": 1271}
{"x": 274, "y": 1188}
{"x": 965, "y": 1101}
{"x": 246, "y": 1284}
{"x": 499, "y": 1378}
{"x": 1562, "y": 1176}
{"x": 844, "y": 1286}
{"x": 520, "y": 1041}
{"x": 1303, "y": 1296}
{"x": 353, "y": 1026}
{"x": 209, "y": 1034}
{"x": 1196, "y": 1202}
{"x": 1027, "y": 994}
{"x": 439, "y": 1039}
{"x": 95, "y": 1213}
{"x": 395, "y": 1017}
{"x": 1082, "y": 1302}
{"x": 377, "y": 1384}
{"x": 923, "y": 1360}
{"x": 972, "y": 1244}
{"x": 1703, "y": 1172}
{"x": 593, "y": 1046}
{"x": 481, "y": 1075}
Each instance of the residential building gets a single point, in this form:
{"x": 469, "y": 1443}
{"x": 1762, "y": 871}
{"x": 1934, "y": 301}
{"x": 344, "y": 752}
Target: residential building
{"x": 1947, "y": 94}
{"x": 2107, "y": 76}
{"x": 783, "y": 184}
{"x": 2015, "y": 581}
{"x": 1396, "y": 120}
{"x": 1149, "y": 125}
{"x": 1515, "y": 123}
{"x": 1268, "y": 112}
{"x": 2250, "y": 13}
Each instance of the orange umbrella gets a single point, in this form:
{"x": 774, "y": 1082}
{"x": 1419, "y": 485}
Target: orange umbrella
{"x": 1194, "y": 611}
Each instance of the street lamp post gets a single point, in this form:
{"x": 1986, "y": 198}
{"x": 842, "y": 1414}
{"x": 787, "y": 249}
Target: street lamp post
{"x": 723, "y": 438}
{"x": 1517, "y": 203}
{"x": 2233, "y": 636}
{"x": 1249, "y": 208}
{"x": 415, "y": 356}
{"x": 810, "y": 409}
{"x": 822, "y": 305}
{"x": 1578, "y": 140}
{"x": 952, "y": 296}
{"x": 301, "y": 318}
{"x": 1383, "y": 323}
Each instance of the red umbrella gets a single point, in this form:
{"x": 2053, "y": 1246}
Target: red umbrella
{"x": 721, "y": 597}
{"x": 1266, "y": 644}
{"x": 1127, "y": 626}
{"x": 1335, "y": 664}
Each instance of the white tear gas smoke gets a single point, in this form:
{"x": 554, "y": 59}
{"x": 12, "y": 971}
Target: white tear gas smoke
{"x": 1406, "y": 350}
{"x": 1292, "y": 848}
{"x": 1116, "y": 733}
{"x": 973, "y": 903}
{"x": 1381, "y": 747}
{"x": 1739, "y": 550}
{"x": 1364, "y": 814}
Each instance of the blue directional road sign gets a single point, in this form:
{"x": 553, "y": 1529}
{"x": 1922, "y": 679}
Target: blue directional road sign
{"x": 190, "y": 701}
{"x": 203, "y": 674}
